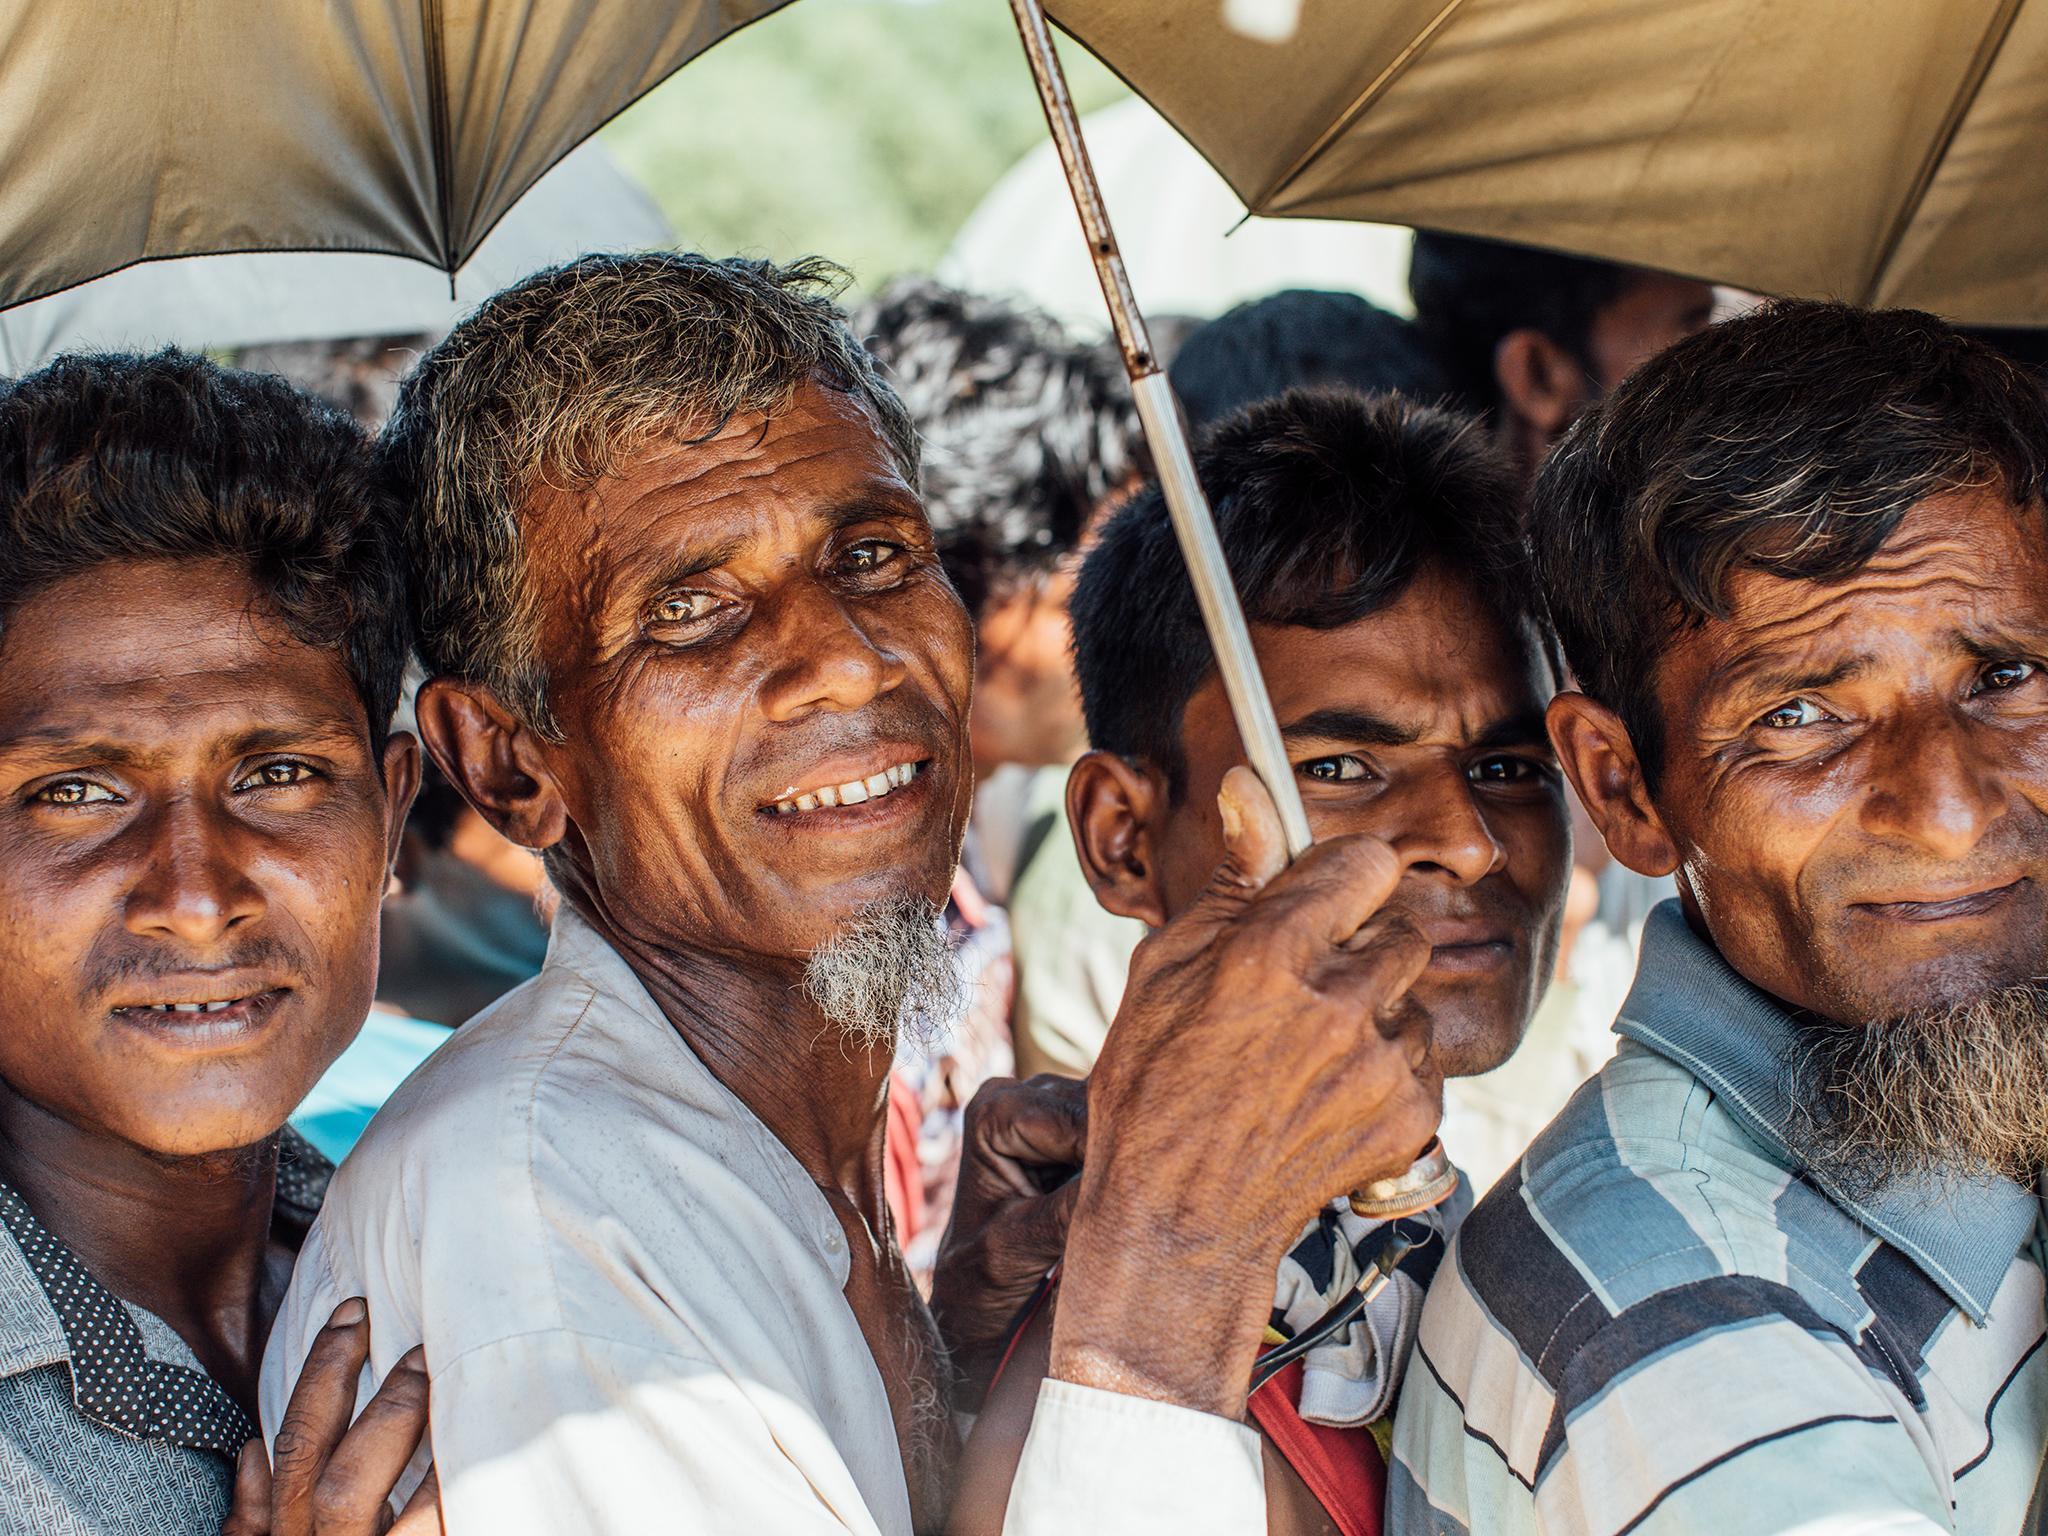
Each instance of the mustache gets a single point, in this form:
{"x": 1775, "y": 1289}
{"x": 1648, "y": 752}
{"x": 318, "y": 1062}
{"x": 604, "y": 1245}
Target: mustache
{"x": 819, "y": 734}
{"x": 109, "y": 968}
{"x": 2016, "y": 843}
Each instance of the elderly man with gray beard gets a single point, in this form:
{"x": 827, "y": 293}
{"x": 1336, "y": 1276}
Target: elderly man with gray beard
{"x": 1778, "y": 1267}
{"x": 689, "y": 637}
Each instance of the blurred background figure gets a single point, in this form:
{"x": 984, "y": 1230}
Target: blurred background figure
{"x": 466, "y": 918}
{"x": 358, "y": 373}
{"x": 1528, "y": 338}
{"x": 1028, "y": 438}
{"x": 1298, "y": 338}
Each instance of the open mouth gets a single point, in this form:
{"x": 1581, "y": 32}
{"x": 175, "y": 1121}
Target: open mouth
{"x": 875, "y": 786}
{"x": 199, "y": 1021}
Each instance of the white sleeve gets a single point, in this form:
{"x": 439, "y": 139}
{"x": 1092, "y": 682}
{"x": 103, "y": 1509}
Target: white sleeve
{"x": 551, "y": 1432}
{"x": 1101, "y": 1461}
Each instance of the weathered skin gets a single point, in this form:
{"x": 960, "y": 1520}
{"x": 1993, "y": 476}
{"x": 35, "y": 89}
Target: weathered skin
{"x": 762, "y": 612}
{"x": 1855, "y": 791}
{"x": 190, "y": 810}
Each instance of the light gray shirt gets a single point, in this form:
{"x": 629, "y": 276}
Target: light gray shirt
{"x": 633, "y": 1303}
{"x": 109, "y": 1426}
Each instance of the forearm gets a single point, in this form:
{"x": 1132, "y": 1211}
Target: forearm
{"x": 1147, "y": 1315}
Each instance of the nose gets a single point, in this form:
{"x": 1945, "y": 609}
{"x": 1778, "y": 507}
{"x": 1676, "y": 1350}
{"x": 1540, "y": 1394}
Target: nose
{"x": 825, "y": 658}
{"x": 1439, "y": 828}
{"x": 1934, "y": 786}
{"x": 194, "y": 884}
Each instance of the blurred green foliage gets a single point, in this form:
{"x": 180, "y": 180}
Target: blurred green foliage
{"x": 862, "y": 130}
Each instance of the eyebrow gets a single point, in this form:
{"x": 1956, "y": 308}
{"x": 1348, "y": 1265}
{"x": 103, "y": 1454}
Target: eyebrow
{"x": 1353, "y": 726}
{"x": 59, "y": 741}
{"x": 1764, "y": 678}
{"x": 1356, "y": 727}
{"x": 695, "y": 560}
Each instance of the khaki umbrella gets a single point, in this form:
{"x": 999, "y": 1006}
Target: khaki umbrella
{"x": 138, "y": 129}
{"x": 1882, "y": 151}
{"x": 1879, "y": 150}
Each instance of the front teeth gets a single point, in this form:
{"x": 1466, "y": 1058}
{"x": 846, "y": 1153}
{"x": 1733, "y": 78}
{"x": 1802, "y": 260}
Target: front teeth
{"x": 192, "y": 1007}
{"x": 855, "y": 792}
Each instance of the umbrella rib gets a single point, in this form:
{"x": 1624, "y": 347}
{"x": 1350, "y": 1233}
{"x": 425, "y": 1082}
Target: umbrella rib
{"x": 437, "y": 111}
{"x": 1396, "y": 67}
{"x": 1988, "y": 50}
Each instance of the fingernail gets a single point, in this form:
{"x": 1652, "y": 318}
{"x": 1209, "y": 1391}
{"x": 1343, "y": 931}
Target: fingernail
{"x": 414, "y": 1359}
{"x": 1233, "y": 818}
{"x": 349, "y": 1313}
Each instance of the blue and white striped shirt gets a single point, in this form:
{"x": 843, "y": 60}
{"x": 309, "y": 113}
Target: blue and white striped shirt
{"x": 1656, "y": 1325}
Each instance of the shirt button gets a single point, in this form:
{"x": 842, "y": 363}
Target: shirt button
{"x": 834, "y": 1243}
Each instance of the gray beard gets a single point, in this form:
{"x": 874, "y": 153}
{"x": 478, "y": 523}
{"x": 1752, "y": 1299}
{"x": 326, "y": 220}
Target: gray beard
{"x": 1952, "y": 1091}
{"x": 888, "y": 972}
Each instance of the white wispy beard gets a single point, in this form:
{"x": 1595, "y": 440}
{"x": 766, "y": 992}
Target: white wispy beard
{"x": 887, "y": 973}
{"x": 1961, "y": 1089}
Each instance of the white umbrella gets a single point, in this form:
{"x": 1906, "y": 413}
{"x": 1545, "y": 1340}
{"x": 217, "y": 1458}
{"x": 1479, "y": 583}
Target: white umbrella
{"x": 223, "y": 303}
{"x": 1186, "y": 242}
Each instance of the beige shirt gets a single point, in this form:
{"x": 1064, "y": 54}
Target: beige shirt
{"x": 633, "y": 1304}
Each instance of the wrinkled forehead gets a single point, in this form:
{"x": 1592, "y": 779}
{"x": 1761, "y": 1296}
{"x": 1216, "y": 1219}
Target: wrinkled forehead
{"x": 1964, "y": 575}
{"x": 760, "y": 485}
{"x": 164, "y": 655}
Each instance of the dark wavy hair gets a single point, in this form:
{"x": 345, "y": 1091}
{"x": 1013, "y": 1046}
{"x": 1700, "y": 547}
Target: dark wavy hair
{"x": 1469, "y": 292}
{"x": 1299, "y": 338}
{"x": 559, "y": 378}
{"x": 108, "y": 457}
{"x": 1791, "y": 440}
{"x": 1329, "y": 504}
{"x": 1024, "y": 432}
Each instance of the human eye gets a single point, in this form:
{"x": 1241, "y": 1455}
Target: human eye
{"x": 871, "y": 556}
{"x": 1509, "y": 769}
{"x": 1792, "y": 715}
{"x": 683, "y": 607}
{"x": 1341, "y": 769}
{"x": 66, "y": 793}
{"x": 2004, "y": 676}
{"x": 281, "y": 773}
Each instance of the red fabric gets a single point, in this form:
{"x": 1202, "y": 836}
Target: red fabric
{"x": 1342, "y": 1467}
{"x": 902, "y": 1177}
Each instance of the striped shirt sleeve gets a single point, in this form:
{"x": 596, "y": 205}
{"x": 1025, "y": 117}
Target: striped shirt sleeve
{"x": 1710, "y": 1407}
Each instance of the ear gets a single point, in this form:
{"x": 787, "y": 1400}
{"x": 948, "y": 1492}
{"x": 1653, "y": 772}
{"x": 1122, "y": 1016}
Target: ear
{"x": 1543, "y": 384}
{"x": 1600, "y": 760}
{"x": 493, "y": 759}
{"x": 401, "y": 783}
{"x": 1110, "y": 805}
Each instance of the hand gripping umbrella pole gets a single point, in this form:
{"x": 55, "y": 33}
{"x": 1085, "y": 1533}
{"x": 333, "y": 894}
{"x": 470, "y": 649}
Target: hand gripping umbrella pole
{"x": 1432, "y": 1177}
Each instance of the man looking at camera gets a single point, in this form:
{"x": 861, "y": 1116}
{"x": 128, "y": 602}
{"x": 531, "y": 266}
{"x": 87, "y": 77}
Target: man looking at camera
{"x": 1779, "y": 1265}
{"x": 690, "y": 637}
{"x": 201, "y": 634}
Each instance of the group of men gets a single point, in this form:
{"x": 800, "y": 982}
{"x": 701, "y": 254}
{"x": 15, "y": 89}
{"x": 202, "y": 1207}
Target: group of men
{"x": 618, "y": 1257}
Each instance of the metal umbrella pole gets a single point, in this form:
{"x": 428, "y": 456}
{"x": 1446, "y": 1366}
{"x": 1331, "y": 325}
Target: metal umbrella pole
{"x": 1166, "y": 433}
{"x": 1432, "y": 1178}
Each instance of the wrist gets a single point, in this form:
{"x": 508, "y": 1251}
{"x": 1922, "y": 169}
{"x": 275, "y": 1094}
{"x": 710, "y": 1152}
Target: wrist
{"x": 1146, "y": 1312}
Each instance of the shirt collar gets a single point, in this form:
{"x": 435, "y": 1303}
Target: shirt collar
{"x": 53, "y": 1311}
{"x": 1689, "y": 1006}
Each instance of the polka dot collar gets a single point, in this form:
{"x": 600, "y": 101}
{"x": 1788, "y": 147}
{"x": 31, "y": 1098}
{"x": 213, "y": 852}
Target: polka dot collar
{"x": 115, "y": 1381}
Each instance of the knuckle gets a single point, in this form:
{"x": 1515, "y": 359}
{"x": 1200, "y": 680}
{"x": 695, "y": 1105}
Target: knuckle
{"x": 336, "y": 1502}
{"x": 296, "y": 1453}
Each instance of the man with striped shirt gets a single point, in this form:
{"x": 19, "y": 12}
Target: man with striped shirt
{"x": 1779, "y": 1266}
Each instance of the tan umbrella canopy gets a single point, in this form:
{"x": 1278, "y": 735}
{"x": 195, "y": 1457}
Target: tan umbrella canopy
{"x": 135, "y": 129}
{"x": 1881, "y": 150}
{"x": 1884, "y": 151}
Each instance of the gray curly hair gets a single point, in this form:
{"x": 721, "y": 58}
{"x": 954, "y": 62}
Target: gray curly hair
{"x": 557, "y": 378}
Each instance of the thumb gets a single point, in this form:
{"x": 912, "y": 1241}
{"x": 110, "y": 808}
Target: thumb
{"x": 250, "y": 1515}
{"x": 1254, "y": 843}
